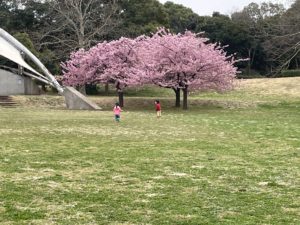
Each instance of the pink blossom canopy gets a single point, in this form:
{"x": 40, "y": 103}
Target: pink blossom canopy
{"x": 180, "y": 61}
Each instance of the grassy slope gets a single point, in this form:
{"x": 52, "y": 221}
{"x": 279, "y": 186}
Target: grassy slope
{"x": 205, "y": 166}
{"x": 248, "y": 93}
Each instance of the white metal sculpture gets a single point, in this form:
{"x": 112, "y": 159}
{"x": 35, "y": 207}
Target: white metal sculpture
{"x": 11, "y": 48}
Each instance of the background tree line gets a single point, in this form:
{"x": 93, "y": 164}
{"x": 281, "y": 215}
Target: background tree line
{"x": 268, "y": 34}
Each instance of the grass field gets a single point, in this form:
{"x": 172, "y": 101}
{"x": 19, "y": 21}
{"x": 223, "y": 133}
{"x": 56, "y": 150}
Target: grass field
{"x": 231, "y": 159}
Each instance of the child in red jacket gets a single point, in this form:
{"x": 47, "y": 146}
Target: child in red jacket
{"x": 158, "y": 108}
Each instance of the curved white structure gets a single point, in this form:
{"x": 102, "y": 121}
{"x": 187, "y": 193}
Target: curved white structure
{"x": 11, "y": 49}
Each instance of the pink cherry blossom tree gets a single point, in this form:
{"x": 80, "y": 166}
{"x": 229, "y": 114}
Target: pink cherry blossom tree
{"x": 114, "y": 62}
{"x": 184, "y": 62}
{"x": 73, "y": 71}
{"x": 122, "y": 65}
{"x": 187, "y": 62}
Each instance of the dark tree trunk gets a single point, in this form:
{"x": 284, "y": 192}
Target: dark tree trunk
{"x": 185, "y": 98}
{"x": 177, "y": 93}
{"x": 249, "y": 62}
{"x": 121, "y": 98}
{"x": 120, "y": 94}
{"x": 106, "y": 89}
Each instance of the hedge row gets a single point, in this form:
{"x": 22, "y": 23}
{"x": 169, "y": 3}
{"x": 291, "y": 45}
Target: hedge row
{"x": 289, "y": 73}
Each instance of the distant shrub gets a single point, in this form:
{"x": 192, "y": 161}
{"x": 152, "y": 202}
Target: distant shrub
{"x": 91, "y": 89}
{"x": 289, "y": 73}
{"x": 253, "y": 74}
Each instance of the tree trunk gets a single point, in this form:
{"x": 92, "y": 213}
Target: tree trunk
{"x": 121, "y": 98}
{"x": 185, "y": 98}
{"x": 120, "y": 94}
{"x": 249, "y": 62}
{"x": 177, "y": 93}
{"x": 81, "y": 33}
{"x": 106, "y": 89}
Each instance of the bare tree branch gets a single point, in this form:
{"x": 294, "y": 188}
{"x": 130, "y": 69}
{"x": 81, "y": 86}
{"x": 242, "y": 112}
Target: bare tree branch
{"x": 82, "y": 21}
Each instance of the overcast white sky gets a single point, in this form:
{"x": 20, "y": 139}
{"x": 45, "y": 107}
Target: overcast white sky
{"x": 204, "y": 7}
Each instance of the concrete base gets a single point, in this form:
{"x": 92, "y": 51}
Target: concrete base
{"x": 13, "y": 84}
{"x": 76, "y": 100}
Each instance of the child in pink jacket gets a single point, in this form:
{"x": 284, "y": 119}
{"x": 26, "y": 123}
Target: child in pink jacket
{"x": 117, "y": 111}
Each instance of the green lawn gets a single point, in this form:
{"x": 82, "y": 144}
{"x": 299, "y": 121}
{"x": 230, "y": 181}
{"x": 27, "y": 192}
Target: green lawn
{"x": 209, "y": 165}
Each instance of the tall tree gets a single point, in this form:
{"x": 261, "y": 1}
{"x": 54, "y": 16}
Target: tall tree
{"x": 181, "y": 18}
{"x": 257, "y": 20}
{"x": 30, "y": 17}
{"x": 5, "y": 15}
{"x": 181, "y": 62}
{"x": 187, "y": 62}
{"x": 80, "y": 23}
{"x": 142, "y": 17}
{"x": 115, "y": 62}
{"x": 282, "y": 44}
